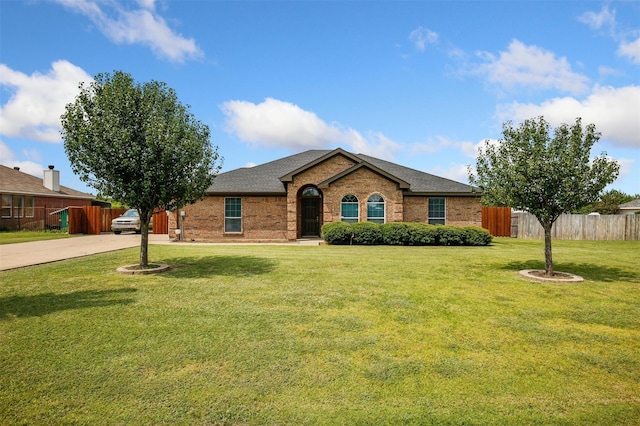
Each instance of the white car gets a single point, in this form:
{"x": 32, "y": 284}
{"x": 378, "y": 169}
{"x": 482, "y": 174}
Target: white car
{"x": 129, "y": 221}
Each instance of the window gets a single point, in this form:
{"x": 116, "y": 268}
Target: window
{"x": 233, "y": 215}
{"x": 18, "y": 206}
{"x": 6, "y": 205}
{"x": 310, "y": 192}
{"x": 436, "y": 211}
{"x": 375, "y": 209}
{"x": 29, "y": 206}
{"x": 349, "y": 209}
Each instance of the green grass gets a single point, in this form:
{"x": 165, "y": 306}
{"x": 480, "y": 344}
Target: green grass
{"x": 258, "y": 335}
{"x": 12, "y": 237}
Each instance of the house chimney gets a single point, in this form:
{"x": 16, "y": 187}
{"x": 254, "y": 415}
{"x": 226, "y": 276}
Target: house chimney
{"x": 52, "y": 179}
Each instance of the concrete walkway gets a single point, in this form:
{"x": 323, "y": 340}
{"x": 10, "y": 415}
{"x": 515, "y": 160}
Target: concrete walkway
{"x": 37, "y": 252}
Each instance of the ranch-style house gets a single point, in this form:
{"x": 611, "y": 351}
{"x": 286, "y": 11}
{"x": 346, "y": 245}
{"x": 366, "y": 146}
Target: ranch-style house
{"x": 291, "y": 198}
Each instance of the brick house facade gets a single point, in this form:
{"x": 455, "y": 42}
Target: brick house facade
{"x": 293, "y": 197}
{"x": 28, "y": 201}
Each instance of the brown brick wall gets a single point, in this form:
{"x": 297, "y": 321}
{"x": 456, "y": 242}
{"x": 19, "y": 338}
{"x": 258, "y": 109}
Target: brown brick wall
{"x": 461, "y": 211}
{"x": 464, "y": 211}
{"x": 263, "y": 219}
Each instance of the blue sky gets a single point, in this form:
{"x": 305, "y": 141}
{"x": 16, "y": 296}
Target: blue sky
{"x": 418, "y": 83}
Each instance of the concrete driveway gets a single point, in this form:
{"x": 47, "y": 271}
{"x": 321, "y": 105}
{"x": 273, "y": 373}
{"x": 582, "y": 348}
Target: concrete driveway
{"x": 34, "y": 253}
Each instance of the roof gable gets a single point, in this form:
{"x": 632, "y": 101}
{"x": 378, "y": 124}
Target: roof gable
{"x": 330, "y": 154}
{"x": 363, "y": 164}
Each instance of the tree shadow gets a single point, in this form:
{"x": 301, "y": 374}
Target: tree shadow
{"x": 236, "y": 266}
{"x": 588, "y": 271}
{"x": 42, "y": 304}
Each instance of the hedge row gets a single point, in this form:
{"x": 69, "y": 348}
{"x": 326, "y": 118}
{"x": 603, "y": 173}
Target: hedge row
{"x": 404, "y": 234}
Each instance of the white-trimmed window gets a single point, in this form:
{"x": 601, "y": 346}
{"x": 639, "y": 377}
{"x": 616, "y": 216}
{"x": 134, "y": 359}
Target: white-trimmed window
{"x": 349, "y": 209}
{"x": 437, "y": 211}
{"x": 375, "y": 209}
{"x": 233, "y": 214}
{"x": 7, "y": 205}
{"x": 18, "y": 206}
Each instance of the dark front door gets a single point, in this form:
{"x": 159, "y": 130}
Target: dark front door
{"x": 311, "y": 217}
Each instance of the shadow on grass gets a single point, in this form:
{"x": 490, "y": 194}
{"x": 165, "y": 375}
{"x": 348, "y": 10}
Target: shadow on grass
{"x": 238, "y": 266}
{"x": 42, "y": 304}
{"x": 587, "y": 271}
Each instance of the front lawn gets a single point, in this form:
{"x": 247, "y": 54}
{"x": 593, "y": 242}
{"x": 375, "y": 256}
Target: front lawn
{"x": 12, "y": 237}
{"x": 338, "y": 335}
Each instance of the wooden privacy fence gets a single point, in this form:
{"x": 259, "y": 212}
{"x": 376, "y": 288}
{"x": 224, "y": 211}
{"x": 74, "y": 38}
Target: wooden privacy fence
{"x": 94, "y": 220}
{"x": 583, "y": 227}
{"x": 497, "y": 220}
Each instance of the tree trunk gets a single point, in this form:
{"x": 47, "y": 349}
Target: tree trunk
{"x": 548, "y": 258}
{"x": 144, "y": 243}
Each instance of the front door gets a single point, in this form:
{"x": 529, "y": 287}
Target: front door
{"x": 311, "y": 216}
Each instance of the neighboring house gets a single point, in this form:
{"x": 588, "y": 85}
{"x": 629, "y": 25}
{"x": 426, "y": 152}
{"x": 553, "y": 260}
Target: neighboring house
{"x": 28, "y": 201}
{"x": 632, "y": 207}
{"x": 293, "y": 197}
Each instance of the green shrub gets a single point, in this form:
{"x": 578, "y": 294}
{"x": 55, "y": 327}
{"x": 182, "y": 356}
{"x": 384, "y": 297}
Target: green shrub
{"x": 338, "y": 233}
{"x": 476, "y": 236}
{"x": 366, "y": 233}
{"x": 395, "y": 233}
{"x": 404, "y": 234}
{"x": 449, "y": 235}
{"x": 421, "y": 234}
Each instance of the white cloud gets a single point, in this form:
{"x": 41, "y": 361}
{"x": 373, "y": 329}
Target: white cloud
{"x": 440, "y": 143}
{"x": 142, "y": 26}
{"x": 275, "y": 123}
{"x": 421, "y": 37}
{"x": 7, "y": 158}
{"x": 605, "y": 20}
{"x": 599, "y": 20}
{"x": 630, "y": 50}
{"x": 457, "y": 172}
{"x": 627, "y": 167}
{"x": 531, "y": 66}
{"x": 614, "y": 111}
{"x": 278, "y": 123}
{"x": 33, "y": 111}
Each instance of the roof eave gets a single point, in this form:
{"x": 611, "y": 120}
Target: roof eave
{"x": 46, "y": 194}
{"x": 247, "y": 194}
{"x": 442, "y": 194}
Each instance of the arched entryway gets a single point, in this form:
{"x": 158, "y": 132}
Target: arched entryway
{"x": 310, "y": 212}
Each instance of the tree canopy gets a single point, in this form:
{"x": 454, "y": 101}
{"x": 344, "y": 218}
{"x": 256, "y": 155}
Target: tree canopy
{"x": 608, "y": 202}
{"x": 137, "y": 144}
{"x": 547, "y": 175}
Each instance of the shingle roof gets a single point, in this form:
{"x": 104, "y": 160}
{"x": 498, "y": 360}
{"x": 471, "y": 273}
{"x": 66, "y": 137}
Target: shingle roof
{"x": 268, "y": 178}
{"x": 633, "y": 204}
{"x": 16, "y": 182}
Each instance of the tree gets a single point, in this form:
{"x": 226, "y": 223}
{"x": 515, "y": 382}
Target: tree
{"x": 138, "y": 144}
{"x": 607, "y": 203}
{"x": 545, "y": 175}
